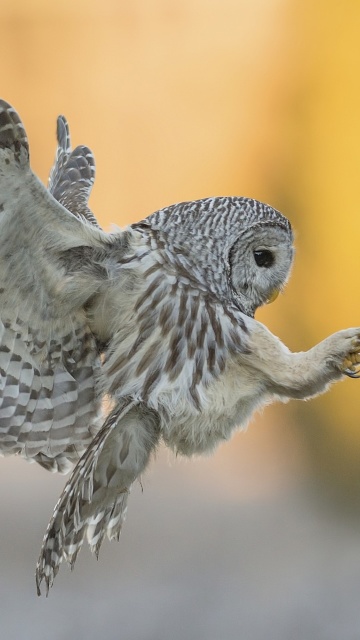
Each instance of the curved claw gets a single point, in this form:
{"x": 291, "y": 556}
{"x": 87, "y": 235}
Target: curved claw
{"x": 351, "y": 373}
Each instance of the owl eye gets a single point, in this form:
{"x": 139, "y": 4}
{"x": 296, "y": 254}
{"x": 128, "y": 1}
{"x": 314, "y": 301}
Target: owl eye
{"x": 264, "y": 258}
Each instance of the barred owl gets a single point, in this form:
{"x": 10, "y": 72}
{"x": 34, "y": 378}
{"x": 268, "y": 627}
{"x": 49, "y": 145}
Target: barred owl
{"x": 158, "y": 318}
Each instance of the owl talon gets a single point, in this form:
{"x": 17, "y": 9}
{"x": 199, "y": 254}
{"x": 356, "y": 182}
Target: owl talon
{"x": 351, "y": 364}
{"x": 351, "y": 372}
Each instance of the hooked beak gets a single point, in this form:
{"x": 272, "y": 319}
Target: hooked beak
{"x": 273, "y": 296}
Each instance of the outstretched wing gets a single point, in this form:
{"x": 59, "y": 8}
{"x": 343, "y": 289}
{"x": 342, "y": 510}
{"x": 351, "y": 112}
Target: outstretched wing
{"x": 72, "y": 175}
{"x": 49, "y": 362}
{"x": 62, "y": 152}
{"x": 93, "y": 503}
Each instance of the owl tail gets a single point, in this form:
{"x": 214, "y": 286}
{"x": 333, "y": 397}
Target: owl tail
{"x": 93, "y": 503}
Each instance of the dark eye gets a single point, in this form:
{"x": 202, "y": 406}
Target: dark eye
{"x": 263, "y": 258}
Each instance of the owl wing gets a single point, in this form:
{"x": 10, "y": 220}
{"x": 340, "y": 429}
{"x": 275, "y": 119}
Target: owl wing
{"x": 63, "y": 152}
{"x": 49, "y": 362}
{"x": 72, "y": 175}
{"x": 94, "y": 499}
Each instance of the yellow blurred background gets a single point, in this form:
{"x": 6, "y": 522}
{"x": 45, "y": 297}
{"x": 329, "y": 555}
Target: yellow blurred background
{"x": 183, "y": 99}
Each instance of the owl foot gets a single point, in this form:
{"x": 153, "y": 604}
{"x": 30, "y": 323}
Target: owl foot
{"x": 351, "y": 364}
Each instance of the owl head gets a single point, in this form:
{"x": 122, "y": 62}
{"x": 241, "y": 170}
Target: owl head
{"x": 238, "y": 248}
{"x": 260, "y": 262}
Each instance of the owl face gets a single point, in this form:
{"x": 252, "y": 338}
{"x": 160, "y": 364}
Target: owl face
{"x": 260, "y": 261}
{"x": 239, "y": 248}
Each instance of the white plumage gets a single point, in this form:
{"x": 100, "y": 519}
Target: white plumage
{"x": 159, "y": 318}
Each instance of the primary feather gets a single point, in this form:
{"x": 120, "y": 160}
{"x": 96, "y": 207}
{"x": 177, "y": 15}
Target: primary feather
{"x": 72, "y": 175}
{"x": 49, "y": 358}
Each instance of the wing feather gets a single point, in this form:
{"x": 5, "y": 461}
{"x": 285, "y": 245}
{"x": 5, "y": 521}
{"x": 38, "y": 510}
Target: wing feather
{"x": 63, "y": 151}
{"x": 49, "y": 360}
{"x": 176, "y": 339}
{"x": 72, "y": 175}
{"x": 93, "y": 503}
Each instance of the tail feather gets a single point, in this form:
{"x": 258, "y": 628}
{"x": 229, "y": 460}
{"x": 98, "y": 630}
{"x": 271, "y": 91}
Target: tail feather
{"x": 93, "y": 503}
{"x": 117, "y": 518}
{"x": 104, "y": 522}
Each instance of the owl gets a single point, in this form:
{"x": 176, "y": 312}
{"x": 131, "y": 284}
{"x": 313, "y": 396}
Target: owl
{"x": 113, "y": 342}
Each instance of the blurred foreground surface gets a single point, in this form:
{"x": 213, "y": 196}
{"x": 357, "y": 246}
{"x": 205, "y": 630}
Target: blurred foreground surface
{"x": 209, "y": 551}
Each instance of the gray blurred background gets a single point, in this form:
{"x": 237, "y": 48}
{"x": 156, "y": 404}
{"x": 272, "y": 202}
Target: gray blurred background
{"x": 183, "y": 99}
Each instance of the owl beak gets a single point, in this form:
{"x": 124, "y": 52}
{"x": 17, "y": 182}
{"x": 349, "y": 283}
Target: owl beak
{"x": 273, "y": 296}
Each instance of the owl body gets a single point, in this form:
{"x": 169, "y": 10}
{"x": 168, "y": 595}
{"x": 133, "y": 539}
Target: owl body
{"x": 157, "y": 318}
{"x": 228, "y": 404}
{"x": 159, "y": 352}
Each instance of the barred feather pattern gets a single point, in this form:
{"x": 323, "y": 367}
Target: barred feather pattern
{"x": 93, "y": 503}
{"x": 62, "y": 154}
{"x": 12, "y": 134}
{"x": 49, "y": 406}
{"x": 177, "y": 337}
{"x": 174, "y": 341}
{"x": 72, "y": 175}
{"x": 172, "y": 336}
{"x": 47, "y": 395}
{"x": 171, "y": 301}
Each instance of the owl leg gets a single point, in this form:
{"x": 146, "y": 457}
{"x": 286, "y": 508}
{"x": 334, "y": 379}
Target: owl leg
{"x": 305, "y": 374}
{"x": 93, "y": 503}
{"x": 328, "y": 361}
